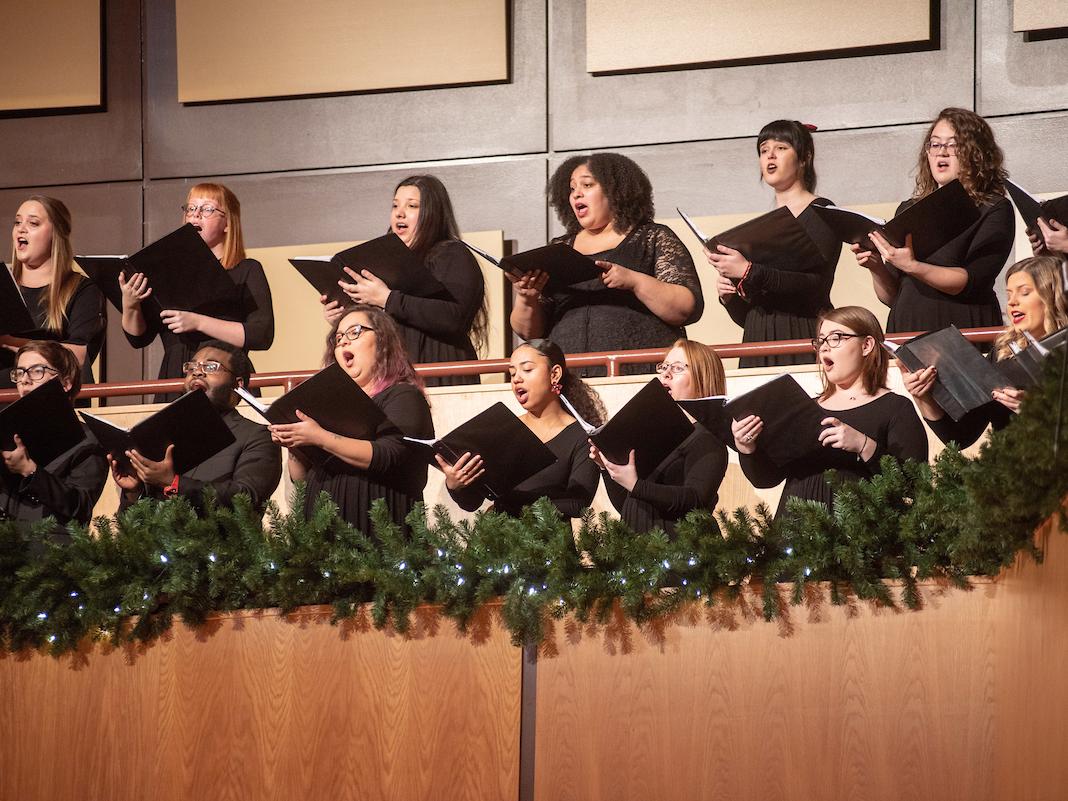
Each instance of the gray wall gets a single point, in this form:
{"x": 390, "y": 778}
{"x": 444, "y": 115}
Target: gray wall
{"x": 310, "y": 170}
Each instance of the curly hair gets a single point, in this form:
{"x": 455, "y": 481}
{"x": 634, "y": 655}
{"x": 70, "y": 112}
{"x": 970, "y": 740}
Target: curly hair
{"x": 624, "y": 183}
{"x": 392, "y": 365}
{"x": 1045, "y": 273}
{"x": 982, "y": 170}
{"x": 578, "y": 393}
{"x": 797, "y": 136}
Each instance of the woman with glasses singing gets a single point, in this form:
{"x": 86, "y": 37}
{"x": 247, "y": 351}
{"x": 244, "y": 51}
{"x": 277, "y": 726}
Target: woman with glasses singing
{"x": 955, "y": 285}
{"x": 68, "y": 487}
{"x": 649, "y": 288}
{"x": 65, "y": 305}
{"x": 366, "y": 344}
{"x": 452, "y": 327}
{"x": 865, "y": 420}
{"x": 781, "y": 301}
{"x": 216, "y": 213}
{"x": 540, "y": 382}
{"x": 688, "y": 478}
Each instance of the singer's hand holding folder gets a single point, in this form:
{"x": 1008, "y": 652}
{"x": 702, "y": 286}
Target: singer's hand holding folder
{"x": 564, "y": 265}
{"x": 792, "y": 419}
{"x": 45, "y": 422}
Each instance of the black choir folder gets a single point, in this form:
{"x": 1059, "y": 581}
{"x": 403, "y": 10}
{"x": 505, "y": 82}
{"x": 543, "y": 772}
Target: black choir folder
{"x": 1032, "y": 209}
{"x": 651, "y": 424}
{"x": 45, "y": 421}
{"x": 191, "y": 423}
{"x": 564, "y": 265}
{"x": 393, "y": 262}
{"x": 333, "y": 400}
{"x": 711, "y": 412}
{"x": 933, "y": 221}
{"x": 182, "y": 272}
{"x": 965, "y": 379}
{"x": 15, "y": 318}
{"x": 1023, "y": 369}
{"x": 792, "y": 419}
{"x": 510, "y": 451}
{"x": 768, "y": 239}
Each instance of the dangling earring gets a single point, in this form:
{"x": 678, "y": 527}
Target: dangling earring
{"x": 556, "y": 387}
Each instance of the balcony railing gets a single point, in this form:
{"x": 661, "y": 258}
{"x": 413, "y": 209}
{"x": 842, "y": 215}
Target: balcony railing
{"x": 609, "y": 360}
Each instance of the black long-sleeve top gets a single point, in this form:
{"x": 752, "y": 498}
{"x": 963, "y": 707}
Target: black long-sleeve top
{"x": 687, "y": 479}
{"x": 783, "y": 300}
{"x": 589, "y": 317}
{"x": 982, "y": 251}
{"x": 397, "y": 471}
{"x": 569, "y": 483}
{"x": 969, "y": 428}
{"x": 67, "y": 488}
{"x": 83, "y": 324}
{"x": 890, "y": 420}
{"x": 438, "y": 329}
{"x": 256, "y": 314}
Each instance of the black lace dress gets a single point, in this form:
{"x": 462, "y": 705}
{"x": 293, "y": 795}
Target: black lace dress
{"x": 783, "y": 300}
{"x": 589, "y": 317}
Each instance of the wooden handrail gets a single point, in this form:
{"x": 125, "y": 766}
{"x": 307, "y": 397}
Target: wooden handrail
{"x": 610, "y": 360}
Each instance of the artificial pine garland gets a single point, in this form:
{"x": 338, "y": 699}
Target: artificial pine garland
{"x": 953, "y": 519}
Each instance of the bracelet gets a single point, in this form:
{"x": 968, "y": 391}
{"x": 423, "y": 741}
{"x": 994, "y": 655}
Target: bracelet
{"x": 860, "y": 453}
{"x": 741, "y": 290}
{"x": 172, "y": 489}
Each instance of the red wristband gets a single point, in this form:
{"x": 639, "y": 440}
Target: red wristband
{"x": 171, "y": 490}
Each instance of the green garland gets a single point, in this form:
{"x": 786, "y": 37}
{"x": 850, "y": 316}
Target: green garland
{"x": 953, "y": 519}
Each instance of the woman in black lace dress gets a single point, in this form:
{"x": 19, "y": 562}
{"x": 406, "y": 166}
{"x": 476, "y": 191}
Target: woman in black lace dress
{"x": 955, "y": 285}
{"x": 781, "y": 301}
{"x": 216, "y": 213}
{"x": 649, "y": 289}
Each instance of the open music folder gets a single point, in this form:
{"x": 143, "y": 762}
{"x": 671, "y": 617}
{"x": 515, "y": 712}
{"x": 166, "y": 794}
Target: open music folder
{"x": 510, "y": 451}
{"x": 15, "y": 317}
{"x": 768, "y": 239}
{"x": 1032, "y": 209}
{"x": 45, "y": 421}
{"x": 792, "y": 418}
{"x": 564, "y": 265}
{"x": 191, "y": 423}
{"x": 332, "y": 399}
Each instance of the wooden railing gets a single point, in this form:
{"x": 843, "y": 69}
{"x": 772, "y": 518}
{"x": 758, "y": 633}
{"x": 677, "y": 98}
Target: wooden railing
{"x": 611, "y": 361}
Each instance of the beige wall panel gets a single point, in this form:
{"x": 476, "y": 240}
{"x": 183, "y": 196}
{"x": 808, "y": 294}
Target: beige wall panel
{"x": 271, "y": 48}
{"x": 1039, "y": 15}
{"x": 51, "y": 55}
{"x": 299, "y": 324}
{"x": 661, "y": 33}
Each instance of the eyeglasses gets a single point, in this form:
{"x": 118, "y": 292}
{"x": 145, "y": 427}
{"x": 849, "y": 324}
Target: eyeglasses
{"x": 671, "y": 367}
{"x": 351, "y": 334}
{"x": 949, "y": 148}
{"x": 204, "y": 367}
{"x": 35, "y": 371}
{"x": 833, "y": 339}
{"x": 206, "y": 211}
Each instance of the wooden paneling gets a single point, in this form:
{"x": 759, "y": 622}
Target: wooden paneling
{"x": 51, "y": 56}
{"x": 271, "y": 48}
{"x": 963, "y": 700}
{"x": 1039, "y": 15}
{"x": 262, "y": 707}
{"x": 646, "y": 34}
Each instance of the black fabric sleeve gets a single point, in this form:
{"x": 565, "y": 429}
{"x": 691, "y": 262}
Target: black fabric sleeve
{"x": 469, "y": 498}
{"x": 616, "y": 494}
{"x": 674, "y": 265}
{"x": 71, "y": 496}
{"x": 582, "y": 481}
{"x": 738, "y": 309}
{"x": 259, "y": 323}
{"x": 85, "y": 314}
{"x": 969, "y": 428}
{"x": 989, "y": 249}
{"x": 705, "y": 465}
{"x": 444, "y": 317}
{"x": 760, "y": 471}
{"x": 769, "y": 282}
{"x": 905, "y": 436}
{"x": 257, "y": 472}
{"x": 153, "y": 326}
{"x": 408, "y": 413}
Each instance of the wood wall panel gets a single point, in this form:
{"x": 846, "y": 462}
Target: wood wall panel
{"x": 269, "y": 48}
{"x": 257, "y": 706}
{"x": 650, "y": 34}
{"x": 962, "y": 700}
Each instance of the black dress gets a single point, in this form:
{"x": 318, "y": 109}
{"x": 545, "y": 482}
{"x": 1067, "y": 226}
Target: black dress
{"x": 687, "y": 479}
{"x": 439, "y": 329}
{"x": 66, "y": 488}
{"x": 782, "y": 300}
{"x": 982, "y": 250}
{"x": 83, "y": 324}
{"x": 969, "y": 428}
{"x": 397, "y": 472}
{"x": 890, "y": 420}
{"x": 588, "y": 317}
{"x": 256, "y": 315}
{"x": 570, "y": 482}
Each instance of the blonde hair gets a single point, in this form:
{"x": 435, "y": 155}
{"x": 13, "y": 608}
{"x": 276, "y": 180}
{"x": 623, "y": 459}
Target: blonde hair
{"x": 65, "y": 281}
{"x": 223, "y": 198}
{"x": 707, "y": 377}
{"x": 862, "y": 322}
{"x": 1045, "y": 272}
